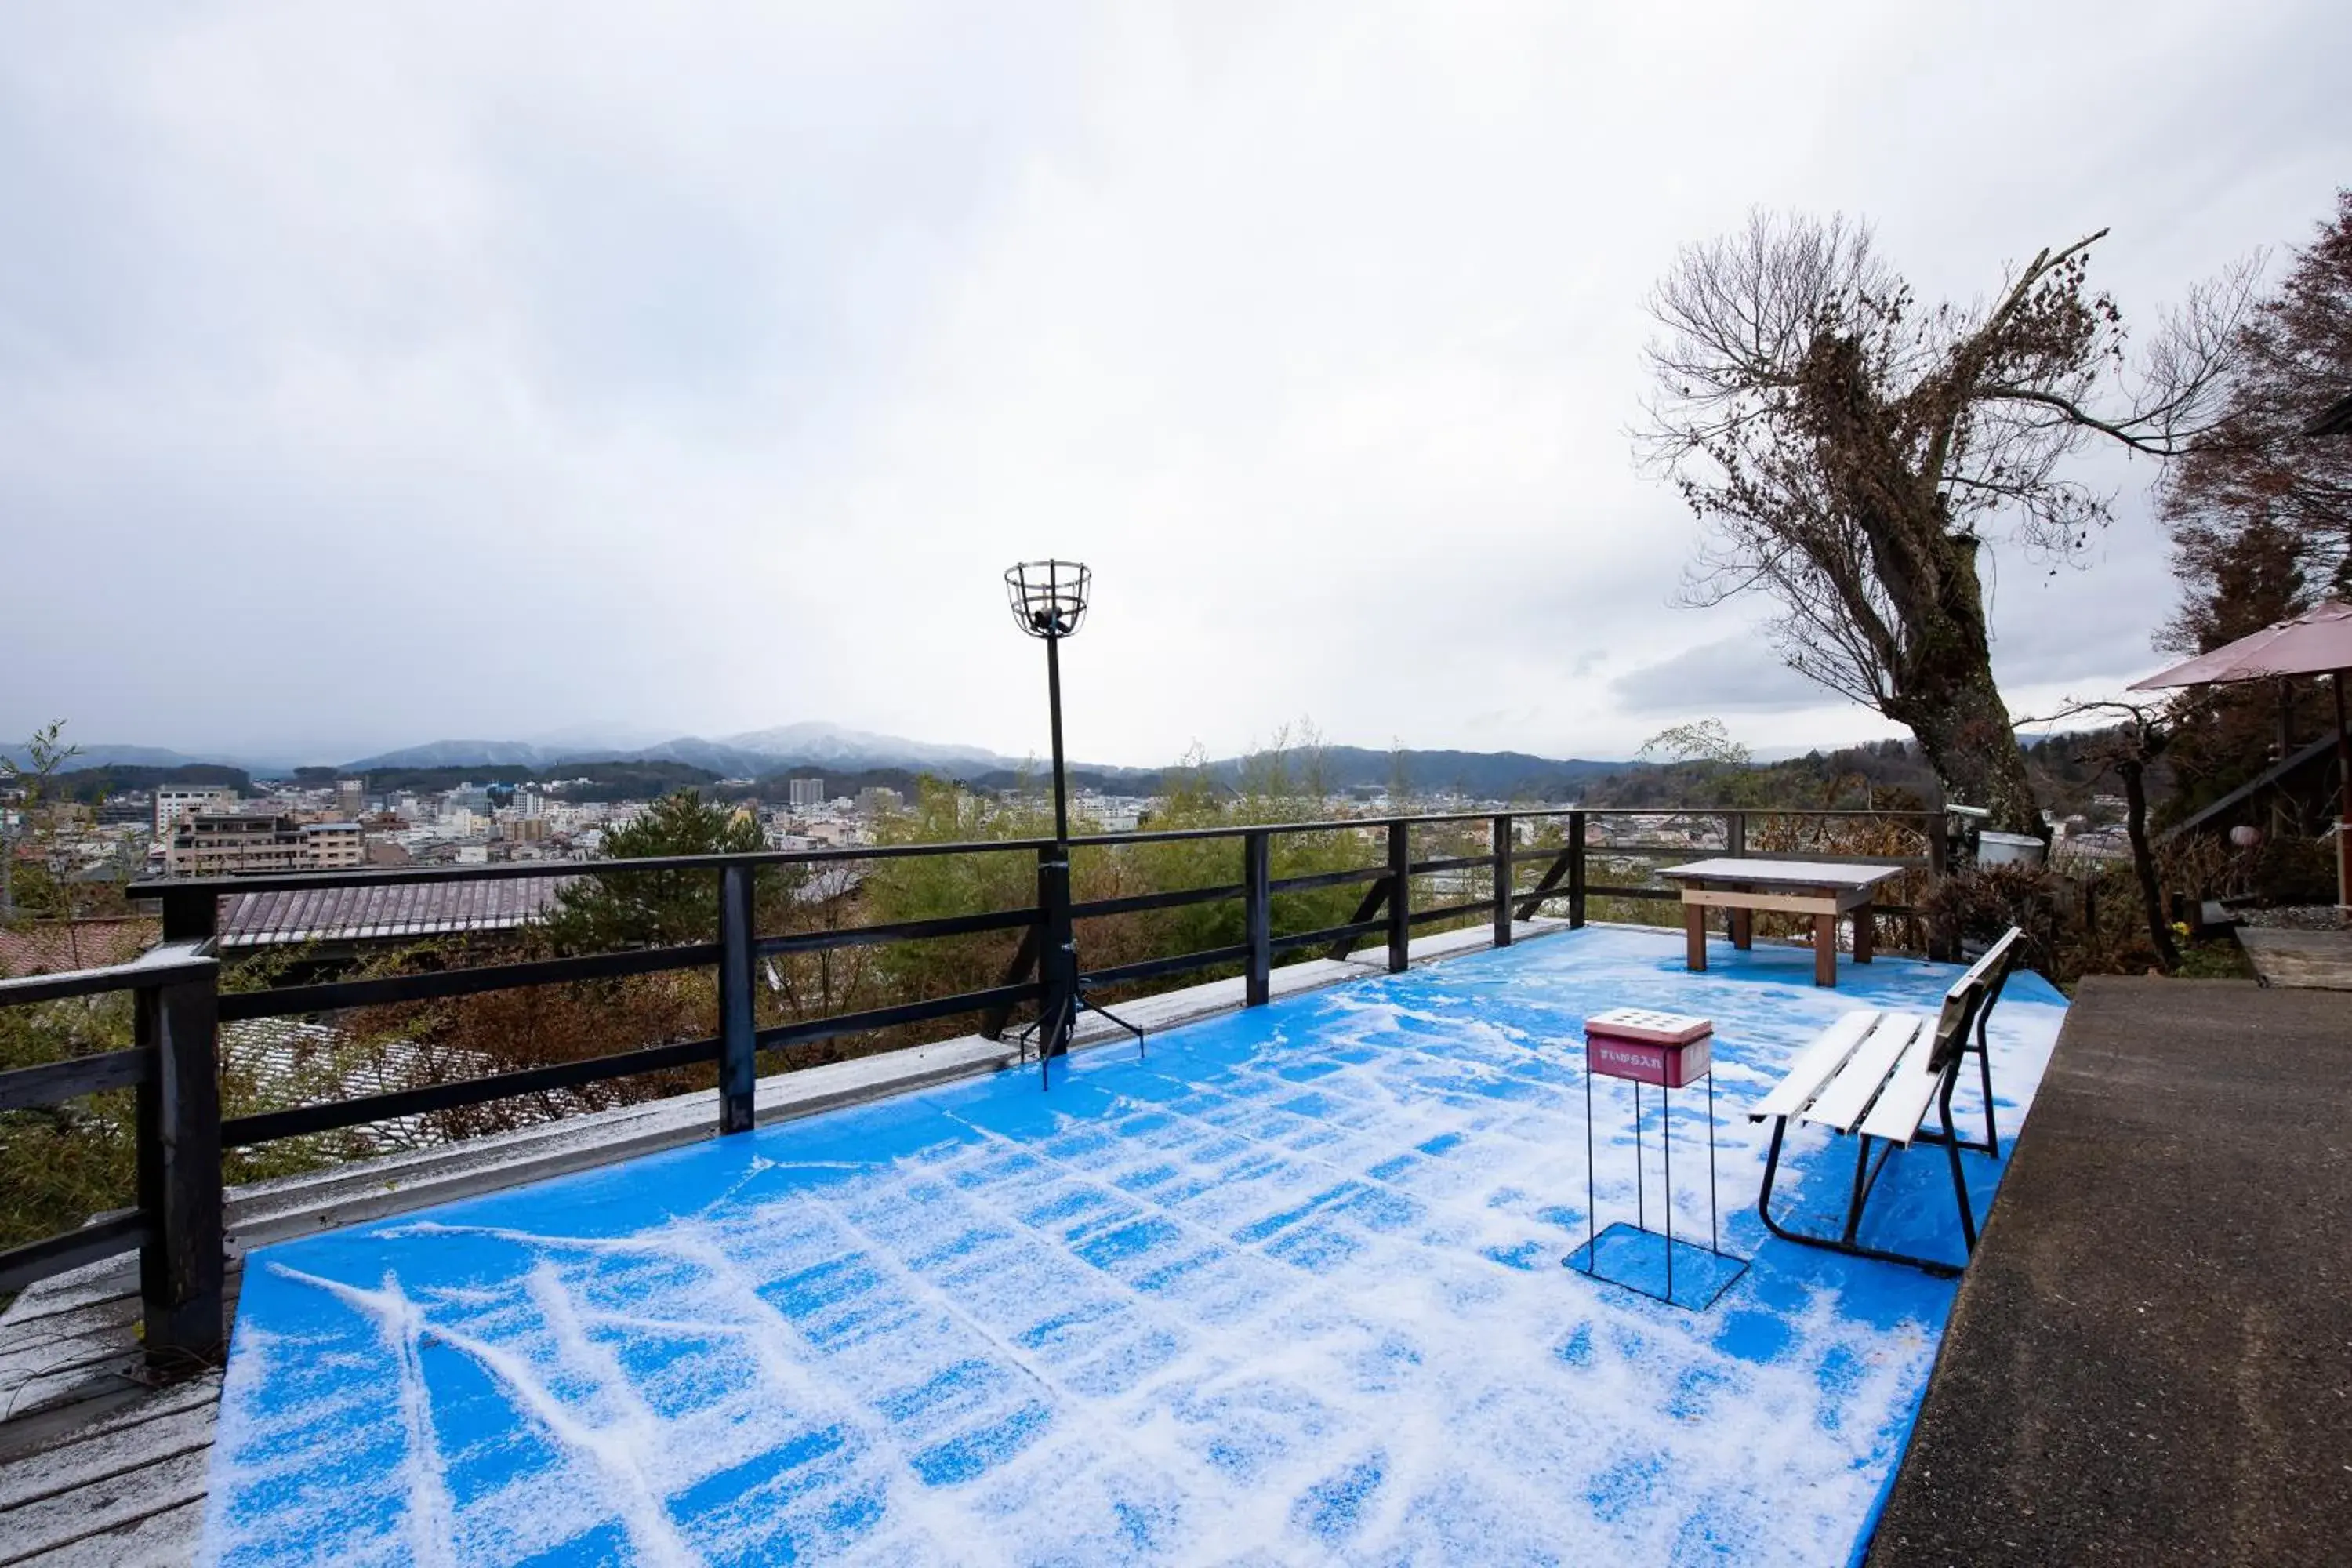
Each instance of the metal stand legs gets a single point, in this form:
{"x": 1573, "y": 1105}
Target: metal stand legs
{"x": 1067, "y": 1033}
{"x": 1715, "y": 1280}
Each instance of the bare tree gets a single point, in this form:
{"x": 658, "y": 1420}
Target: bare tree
{"x": 1852, "y": 451}
{"x": 2141, "y": 734}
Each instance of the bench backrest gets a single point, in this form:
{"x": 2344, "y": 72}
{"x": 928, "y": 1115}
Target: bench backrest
{"x": 1993, "y": 967}
{"x": 1972, "y": 996}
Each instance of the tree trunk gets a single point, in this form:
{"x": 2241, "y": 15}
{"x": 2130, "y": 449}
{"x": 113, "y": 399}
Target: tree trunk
{"x": 2151, "y": 894}
{"x": 1941, "y": 680}
{"x": 1964, "y": 728}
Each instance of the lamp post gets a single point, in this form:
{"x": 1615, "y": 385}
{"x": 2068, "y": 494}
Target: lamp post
{"x": 1049, "y": 601}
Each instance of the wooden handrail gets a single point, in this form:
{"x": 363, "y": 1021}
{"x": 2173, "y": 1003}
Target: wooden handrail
{"x": 178, "y": 1223}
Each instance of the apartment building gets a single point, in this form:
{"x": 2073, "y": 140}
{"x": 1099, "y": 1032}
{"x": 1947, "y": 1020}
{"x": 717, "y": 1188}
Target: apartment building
{"x": 176, "y": 803}
{"x": 333, "y": 845}
{"x": 223, "y": 844}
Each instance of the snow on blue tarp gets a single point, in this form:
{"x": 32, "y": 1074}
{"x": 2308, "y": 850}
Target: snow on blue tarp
{"x": 1288, "y": 1289}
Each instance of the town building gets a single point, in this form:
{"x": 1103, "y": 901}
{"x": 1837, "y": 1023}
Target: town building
{"x": 805, "y": 794}
{"x": 333, "y": 845}
{"x": 223, "y": 844}
{"x": 176, "y": 803}
{"x": 227, "y": 844}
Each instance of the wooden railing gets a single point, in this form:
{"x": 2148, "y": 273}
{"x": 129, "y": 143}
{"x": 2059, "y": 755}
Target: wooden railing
{"x": 173, "y": 1065}
{"x": 178, "y": 1224}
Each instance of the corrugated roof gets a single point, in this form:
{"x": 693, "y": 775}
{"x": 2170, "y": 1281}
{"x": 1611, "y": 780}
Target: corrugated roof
{"x": 378, "y": 911}
{"x": 292, "y": 1062}
{"x": 52, "y": 947}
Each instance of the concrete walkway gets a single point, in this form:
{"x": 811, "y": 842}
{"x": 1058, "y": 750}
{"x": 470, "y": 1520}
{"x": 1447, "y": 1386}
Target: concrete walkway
{"x": 2150, "y": 1360}
{"x": 2313, "y": 960}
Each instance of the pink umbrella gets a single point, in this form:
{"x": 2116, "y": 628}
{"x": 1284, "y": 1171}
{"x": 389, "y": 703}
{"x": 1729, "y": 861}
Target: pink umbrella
{"x": 2316, "y": 642}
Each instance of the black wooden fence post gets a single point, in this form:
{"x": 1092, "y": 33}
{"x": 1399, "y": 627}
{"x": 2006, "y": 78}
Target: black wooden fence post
{"x": 1575, "y": 869}
{"x": 181, "y": 1267}
{"x": 1057, "y": 960}
{"x": 1735, "y": 844}
{"x": 1257, "y": 916}
{"x": 1502, "y": 848}
{"x": 1940, "y": 866}
{"x": 189, "y": 914}
{"x": 1400, "y": 896}
{"x": 739, "y": 1052}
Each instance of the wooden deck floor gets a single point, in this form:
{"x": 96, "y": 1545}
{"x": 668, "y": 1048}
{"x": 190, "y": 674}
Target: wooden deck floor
{"x": 98, "y": 1467}
{"x": 2300, "y": 960}
{"x": 96, "y": 1464}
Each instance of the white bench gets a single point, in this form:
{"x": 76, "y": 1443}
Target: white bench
{"x": 1876, "y": 1074}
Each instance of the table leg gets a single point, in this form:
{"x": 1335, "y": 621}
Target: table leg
{"x": 1865, "y": 934}
{"x": 1825, "y": 950}
{"x": 1695, "y": 926}
{"x": 1743, "y": 929}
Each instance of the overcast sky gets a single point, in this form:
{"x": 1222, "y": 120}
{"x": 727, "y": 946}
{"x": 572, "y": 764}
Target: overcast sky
{"x": 374, "y": 374}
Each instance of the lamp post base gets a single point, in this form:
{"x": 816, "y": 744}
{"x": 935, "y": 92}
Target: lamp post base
{"x": 1055, "y": 1043}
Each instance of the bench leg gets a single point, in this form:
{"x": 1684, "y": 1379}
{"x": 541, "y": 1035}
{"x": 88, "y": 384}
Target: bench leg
{"x": 1743, "y": 929}
{"x": 1694, "y": 929}
{"x": 1851, "y": 1247}
{"x": 1984, "y": 1065}
{"x": 1825, "y": 950}
{"x": 1959, "y": 1177}
{"x": 1865, "y": 934}
{"x": 1984, "y": 1070}
{"x": 1862, "y": 1175}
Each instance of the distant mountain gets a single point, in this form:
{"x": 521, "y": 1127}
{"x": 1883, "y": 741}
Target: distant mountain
{"x": 693, "y": 752}
{"x": 833, "y": 745}
{"x": 755, "y": 754}
{"x": 1485, "y": 775}
{"x": 583, "y": 739}
{"x": 833, "y": 750}
{"x": 459, "y": 754}
{"x": 105, "y": 756}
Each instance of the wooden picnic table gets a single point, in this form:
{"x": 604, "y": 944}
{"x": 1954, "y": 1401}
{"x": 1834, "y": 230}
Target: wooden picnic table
{"x": 1824, "y": 889}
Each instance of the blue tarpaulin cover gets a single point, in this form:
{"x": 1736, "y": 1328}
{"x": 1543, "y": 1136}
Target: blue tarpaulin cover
{"x": 1288, "y": 1289}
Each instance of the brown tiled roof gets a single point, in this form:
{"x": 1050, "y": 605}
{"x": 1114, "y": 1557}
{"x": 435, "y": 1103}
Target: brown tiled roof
{"x": 374, "y": 912}
{"x": 52, "y": 947}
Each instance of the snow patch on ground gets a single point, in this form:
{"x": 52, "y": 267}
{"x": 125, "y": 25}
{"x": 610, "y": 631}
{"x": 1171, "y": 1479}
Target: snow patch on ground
{"x": 1288, "y": 1289}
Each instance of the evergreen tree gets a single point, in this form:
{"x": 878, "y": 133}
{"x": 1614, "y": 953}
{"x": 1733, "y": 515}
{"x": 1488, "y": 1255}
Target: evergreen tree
{"x": 609, "y": 909}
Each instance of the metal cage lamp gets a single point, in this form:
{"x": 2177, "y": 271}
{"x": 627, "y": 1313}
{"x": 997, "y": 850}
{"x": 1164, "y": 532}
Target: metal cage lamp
{"x": 1048, "y": 598}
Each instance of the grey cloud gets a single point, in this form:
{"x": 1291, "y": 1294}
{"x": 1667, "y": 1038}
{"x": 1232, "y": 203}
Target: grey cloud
{"x": 460, "y": 370}
{"x": 1739, "y": 674}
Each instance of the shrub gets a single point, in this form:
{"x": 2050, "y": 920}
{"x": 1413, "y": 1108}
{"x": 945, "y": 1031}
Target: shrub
{"x": 1976, "y": 903}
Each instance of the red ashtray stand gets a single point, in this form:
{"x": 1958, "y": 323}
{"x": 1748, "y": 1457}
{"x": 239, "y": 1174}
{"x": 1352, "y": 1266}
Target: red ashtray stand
{"x": 1668, "y": 1051}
